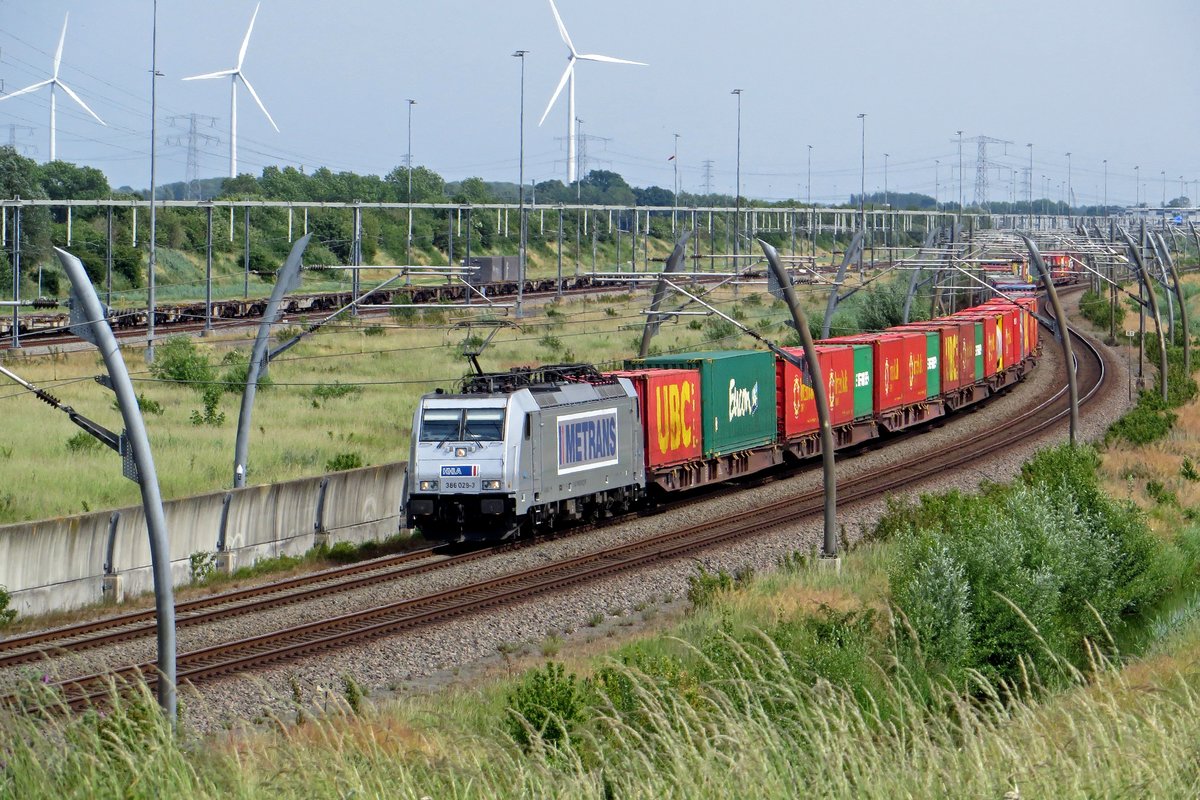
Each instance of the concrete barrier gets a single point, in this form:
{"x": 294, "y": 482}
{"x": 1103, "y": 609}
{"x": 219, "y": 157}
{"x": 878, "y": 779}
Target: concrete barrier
{"x": 68, "y": 562}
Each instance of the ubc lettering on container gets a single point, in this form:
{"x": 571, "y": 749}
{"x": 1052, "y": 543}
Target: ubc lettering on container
{"x": 587, "y": 440}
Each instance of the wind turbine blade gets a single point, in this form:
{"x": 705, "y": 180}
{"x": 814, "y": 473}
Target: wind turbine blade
{"x": 561, "y": 83}
{"x": 61, "y": 38}
{"x": 254, "y": 94}
{"x": 246, "y": 41}
{"x": 75, "y": 97}
{"x": 611, "y": 60}
{"x": 207, "y": 75}
{"x": 28, "y": 89}
{"x": 562, "y": 29}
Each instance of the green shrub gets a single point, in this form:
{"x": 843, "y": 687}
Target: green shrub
{"x": 547, "y": 703}
{"x": 1188, "y": 470}
{"x": 1094, "y": 306}
{"x": 1053, "y": 546}
{"x": 202, "y": 566}
{"x": 7, "y": 615}
{"x": 717, "y": 329}
{"x": 343, "y": 461}
{"x": 210, "y": 416}
{"x": 353, "y": 693}
{"x": 146, "y": 404}
{"x": 1148, "y": 421}
{"x": 373, "y": 330}
{"x": 704, "y": 586}
{"x": 177, "y": 359}
{"x": 233, "y": 379}
{"x": 83, "y": 442}
{"x": 329, "y": 391}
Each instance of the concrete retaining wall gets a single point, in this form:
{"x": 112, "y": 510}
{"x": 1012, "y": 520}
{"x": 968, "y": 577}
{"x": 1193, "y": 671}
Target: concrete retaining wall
{"x": 68, "y": 562}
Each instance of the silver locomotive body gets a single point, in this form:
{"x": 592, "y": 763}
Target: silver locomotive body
{"x": 487, "y": 465}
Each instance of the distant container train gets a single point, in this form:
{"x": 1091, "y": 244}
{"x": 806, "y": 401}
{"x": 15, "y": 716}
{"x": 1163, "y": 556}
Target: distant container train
{"x": 534, "y": 448}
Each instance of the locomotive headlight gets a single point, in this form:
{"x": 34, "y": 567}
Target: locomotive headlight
{"x": 460, "y": 452}
{"x": 491, "y": 484}
{"x": 429, "y": 486}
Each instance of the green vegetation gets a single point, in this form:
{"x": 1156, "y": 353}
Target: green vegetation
{"x": 7, "y": 615}
{"x": 1096, "y": 309}
{"x": 979, "y": 666}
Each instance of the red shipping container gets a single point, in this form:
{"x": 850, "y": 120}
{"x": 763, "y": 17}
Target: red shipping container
{"x": 957, "y": 362}
{"x": 993, "y": 341}
{"x": 899, "y": 366}
{"x": 796, "y": 403}
{"x": 1029, "y": 306}
{"x": 1013, "y": 331}
{"x": 670, "y": 404}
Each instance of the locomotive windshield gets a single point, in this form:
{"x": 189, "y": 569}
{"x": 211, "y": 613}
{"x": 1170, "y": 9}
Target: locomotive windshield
{"x": 462, "y": 425}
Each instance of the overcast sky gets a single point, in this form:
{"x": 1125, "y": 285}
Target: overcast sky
{"x": 1101, "y": 79}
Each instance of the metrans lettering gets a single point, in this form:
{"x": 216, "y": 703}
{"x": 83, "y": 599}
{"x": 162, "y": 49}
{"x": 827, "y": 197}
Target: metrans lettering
{"x": 587, "y": 440}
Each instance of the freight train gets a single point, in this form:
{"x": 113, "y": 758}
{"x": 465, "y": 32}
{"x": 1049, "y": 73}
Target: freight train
{"x": 531, "y": 449}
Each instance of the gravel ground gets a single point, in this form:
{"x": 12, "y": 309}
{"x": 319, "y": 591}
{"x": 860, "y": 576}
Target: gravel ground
{"x": 463, "y": 650}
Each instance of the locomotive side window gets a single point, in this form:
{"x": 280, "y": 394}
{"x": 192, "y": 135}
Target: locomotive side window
{"x": 441, "y": 425}
{"x": 484, "y": 425}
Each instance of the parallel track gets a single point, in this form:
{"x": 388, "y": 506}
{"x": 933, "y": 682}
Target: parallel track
{"x": 281, "y": 646}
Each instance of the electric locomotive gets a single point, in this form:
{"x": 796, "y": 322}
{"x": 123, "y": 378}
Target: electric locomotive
{"x": 526, "y": 448}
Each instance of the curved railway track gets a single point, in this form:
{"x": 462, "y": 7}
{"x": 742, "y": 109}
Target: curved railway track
{"x": 291, "y": 643}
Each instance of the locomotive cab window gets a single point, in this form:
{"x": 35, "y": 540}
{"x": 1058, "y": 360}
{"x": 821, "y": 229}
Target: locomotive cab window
{"x": 483, "y": 425}
{"x": 462, "y": 425}
{"x": 441, "y": 425}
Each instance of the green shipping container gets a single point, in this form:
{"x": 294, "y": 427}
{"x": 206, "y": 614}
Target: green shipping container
{"x": 863, "y": 390}
{"x": 737, "y": 391}
{"x": 933, "y": 363}
{"x": 978, "y": 351}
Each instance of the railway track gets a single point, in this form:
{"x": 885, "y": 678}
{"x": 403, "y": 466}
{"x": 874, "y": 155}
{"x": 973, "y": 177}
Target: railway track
{"x": 280, "y": 646}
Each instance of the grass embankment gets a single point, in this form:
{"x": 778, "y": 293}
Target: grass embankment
{"x": 970, "y": 665}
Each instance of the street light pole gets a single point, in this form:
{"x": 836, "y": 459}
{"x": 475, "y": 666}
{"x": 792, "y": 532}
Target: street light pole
{"x": 1163, "y": 172}
{"x": 937, "y": 183}
{"x": 153, "y": 257}
{"x": 1070, "y": 194}
{"x": 737, "y": 215}
{"x": 1137, "y": 187}
{"x": 1030, "y": 146}
{"x": 960, "y": 175}
{"x": 675, "y": 193}
{"x": 408, "y": 162}
{"x": 521, "y": 193}
{"x": 1106, "y": 187}
{"x": 862, "y": 182}
{"x": 811, "y": 216}
{"x": 886, "y": 206}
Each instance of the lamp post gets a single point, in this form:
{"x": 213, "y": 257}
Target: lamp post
{"x": 1163, "y": 172}
{"x": 1137, "y": 187}
{"x": 886, "y": 206}
{"x": 960, "y": 175}
{"x": 153, "y": 257}
{"x": 521, "y": 193}
{"x": 408, "y": 162}
{"x": 1030, "y": 146}
{"x": 1106, "y": 187}
{"x": 737, "y": 214}
{"x": 862, "y": 180}
{"x": 937, "y": 183}
{"x": 811, "y": 216}
{"x": 1070, "y": 194}
{"x": 675, "y": 193}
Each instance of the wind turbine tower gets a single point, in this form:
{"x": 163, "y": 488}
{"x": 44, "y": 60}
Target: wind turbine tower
{"x": 568, "y": 75}
{"x": 54, "y": 83}
{"x": 236, "y": 75}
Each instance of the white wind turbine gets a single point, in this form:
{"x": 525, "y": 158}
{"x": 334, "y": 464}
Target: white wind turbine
{"x": 569, "y": 75}
{"x": 54, "y": 83}
{"x": 235, "y": 75}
